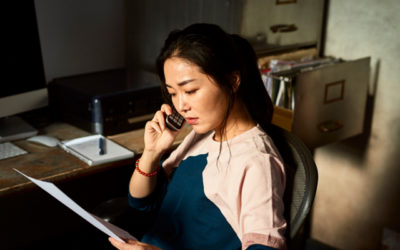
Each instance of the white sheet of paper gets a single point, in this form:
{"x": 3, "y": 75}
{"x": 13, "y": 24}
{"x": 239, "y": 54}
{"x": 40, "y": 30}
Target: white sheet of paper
{"x": 106, "y": 227}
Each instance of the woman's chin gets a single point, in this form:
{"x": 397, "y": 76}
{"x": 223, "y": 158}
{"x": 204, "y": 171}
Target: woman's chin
{"x": 200, "y": 129}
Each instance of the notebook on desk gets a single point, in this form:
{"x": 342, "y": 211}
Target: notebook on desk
{"x": 96, "y": 149}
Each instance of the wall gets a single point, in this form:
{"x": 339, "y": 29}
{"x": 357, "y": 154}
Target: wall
{"x": 358, "y": 193}
{"x": 81, "y": 36}
{"x": 149, "y": 23}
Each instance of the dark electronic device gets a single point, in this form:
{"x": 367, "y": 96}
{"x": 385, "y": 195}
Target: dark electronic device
{"x": 23, "y": 81}
{"x": 174, "y": 121}
{"x": 102, "y": 103}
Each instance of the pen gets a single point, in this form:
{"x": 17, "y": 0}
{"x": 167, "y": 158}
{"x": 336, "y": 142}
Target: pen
{"x": 101, "y": 146}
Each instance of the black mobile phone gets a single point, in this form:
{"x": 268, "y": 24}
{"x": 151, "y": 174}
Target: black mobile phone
{"x": 174, "y": 121}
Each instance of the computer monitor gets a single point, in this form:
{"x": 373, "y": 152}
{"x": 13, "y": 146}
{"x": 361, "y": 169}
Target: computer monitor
{"x": 23, "y": 85}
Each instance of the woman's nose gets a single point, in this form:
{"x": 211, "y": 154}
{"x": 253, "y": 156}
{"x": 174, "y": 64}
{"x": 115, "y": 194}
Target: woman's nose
{"x": 182, "y": 104}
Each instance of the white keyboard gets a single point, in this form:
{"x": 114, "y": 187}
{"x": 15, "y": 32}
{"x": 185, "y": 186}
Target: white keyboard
{"x": 8, "y": 150}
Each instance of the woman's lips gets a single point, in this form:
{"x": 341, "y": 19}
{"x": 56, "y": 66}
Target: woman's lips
{"x": 191, "y": 120}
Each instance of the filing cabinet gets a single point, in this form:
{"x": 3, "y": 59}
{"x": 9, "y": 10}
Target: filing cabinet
{"x": 324, "y": 99}
{"x": 277, "y": 23}
{"x": 326, "y": 103}
{"x": 330, "y": 102}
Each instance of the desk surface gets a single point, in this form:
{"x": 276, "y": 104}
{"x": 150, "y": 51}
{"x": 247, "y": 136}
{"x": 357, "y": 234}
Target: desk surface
{"x": 54, "y": 164}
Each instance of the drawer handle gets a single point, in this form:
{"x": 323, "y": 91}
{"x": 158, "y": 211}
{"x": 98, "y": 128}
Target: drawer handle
{"x": 283, "y": 28}
{"x": 330, "y": 126}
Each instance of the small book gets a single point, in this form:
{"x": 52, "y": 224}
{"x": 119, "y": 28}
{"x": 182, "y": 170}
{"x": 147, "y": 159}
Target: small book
{"x": 96, "y": 149}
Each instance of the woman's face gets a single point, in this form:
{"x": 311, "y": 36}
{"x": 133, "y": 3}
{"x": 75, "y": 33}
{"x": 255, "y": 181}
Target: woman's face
{"x": 195, "y": 95}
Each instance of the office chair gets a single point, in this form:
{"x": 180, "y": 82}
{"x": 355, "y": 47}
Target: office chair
{"x": 301, "y": 185}
{"x": 301, "y": 182}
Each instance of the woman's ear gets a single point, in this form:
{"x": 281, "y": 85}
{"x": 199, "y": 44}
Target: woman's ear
{"x": 235, "y": 81}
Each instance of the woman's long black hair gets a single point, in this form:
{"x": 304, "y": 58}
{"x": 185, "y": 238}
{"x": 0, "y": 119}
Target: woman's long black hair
{"x": 220, "y": 56}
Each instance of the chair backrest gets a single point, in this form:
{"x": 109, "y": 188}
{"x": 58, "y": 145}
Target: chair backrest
{"x": 301, "y": 178}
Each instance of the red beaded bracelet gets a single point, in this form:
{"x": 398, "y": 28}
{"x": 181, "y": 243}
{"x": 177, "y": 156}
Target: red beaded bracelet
{"x": 146, "y": 174}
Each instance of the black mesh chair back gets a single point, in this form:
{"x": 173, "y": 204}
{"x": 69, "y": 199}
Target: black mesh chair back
{"x": 301, "y": 178}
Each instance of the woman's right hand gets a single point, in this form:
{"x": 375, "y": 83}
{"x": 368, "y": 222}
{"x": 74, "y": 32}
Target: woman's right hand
{"x": 157, "y": 137}
{"x": 157, "y": 140}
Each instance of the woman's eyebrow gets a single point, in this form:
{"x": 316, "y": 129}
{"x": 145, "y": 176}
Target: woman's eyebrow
{"x": 181, "y": 83}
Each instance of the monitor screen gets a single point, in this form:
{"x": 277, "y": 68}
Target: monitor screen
{"x": 23, "y": 85}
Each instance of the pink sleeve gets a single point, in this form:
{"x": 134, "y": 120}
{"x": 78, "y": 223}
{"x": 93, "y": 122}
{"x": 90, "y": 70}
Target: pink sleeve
{"x": 261, "y": 218}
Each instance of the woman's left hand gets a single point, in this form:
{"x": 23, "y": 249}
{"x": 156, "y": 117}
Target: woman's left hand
{"x": 131, "y": 245}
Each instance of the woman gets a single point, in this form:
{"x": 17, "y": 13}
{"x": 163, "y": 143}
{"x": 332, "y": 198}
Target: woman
{"x": 222, "y": 187}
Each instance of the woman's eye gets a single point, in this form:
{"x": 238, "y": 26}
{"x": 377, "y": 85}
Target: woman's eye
{"x": 171, "y": 94}
{"x": 190, "y": 91}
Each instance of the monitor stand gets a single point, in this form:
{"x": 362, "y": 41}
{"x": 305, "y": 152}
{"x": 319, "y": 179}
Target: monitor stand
{"x": 14, "y": 128}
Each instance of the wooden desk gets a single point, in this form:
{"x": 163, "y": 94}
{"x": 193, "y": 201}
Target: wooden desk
{"x": 30, "y": 217}
{"x": 54, "y": 164}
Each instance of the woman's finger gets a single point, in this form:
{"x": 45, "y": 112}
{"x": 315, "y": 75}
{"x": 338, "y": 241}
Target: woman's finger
{"x": 159, "y": 117}
{"x": 131, "y": 245}
{"x": 119, "y": 244}
{"x": 166, "y": 108}
{"x": 154, "y": 125}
